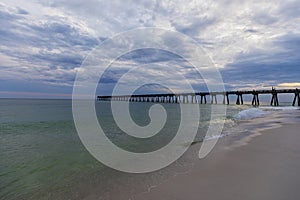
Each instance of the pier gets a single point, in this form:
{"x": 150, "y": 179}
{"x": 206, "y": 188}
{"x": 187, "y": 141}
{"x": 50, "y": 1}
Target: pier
{"x": 201, "y": 97}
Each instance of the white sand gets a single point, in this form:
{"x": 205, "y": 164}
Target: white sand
{"x": 267, "y": 167}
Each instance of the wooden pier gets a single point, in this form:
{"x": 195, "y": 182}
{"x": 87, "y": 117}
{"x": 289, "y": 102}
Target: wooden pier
{"x": 201, "y": 97}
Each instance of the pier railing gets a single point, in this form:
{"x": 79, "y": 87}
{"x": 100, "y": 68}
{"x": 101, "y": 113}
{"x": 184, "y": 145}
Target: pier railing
{"x": 201, "y": 97}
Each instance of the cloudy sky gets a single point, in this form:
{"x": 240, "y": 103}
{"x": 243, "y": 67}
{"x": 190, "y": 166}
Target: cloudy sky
{"x": 254, "y": 44}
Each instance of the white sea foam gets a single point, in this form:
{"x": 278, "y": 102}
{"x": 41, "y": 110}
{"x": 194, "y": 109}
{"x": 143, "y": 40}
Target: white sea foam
{"x": 214, "y": 137}
{"x": 283, "y": 108}
{"x": 250, "y": 114}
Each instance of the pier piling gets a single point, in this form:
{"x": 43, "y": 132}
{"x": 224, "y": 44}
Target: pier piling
{"x": 255, "y": 100}
{"x": 297, "y": 97}
{"x": 214, "y": 99}
{"x": 239, "y": 99}
{"x": 274, "y": 100}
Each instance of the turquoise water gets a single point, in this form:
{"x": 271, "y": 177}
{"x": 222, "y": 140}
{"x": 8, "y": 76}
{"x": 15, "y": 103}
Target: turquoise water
{"x": 42, "y": 157}
{"x": 39, "y": 148}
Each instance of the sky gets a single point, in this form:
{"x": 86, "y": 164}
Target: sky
{"x": 254, "y": 44}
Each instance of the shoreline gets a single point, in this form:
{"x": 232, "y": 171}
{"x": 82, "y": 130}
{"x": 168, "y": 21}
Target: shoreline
{"x": 263, "y": 164}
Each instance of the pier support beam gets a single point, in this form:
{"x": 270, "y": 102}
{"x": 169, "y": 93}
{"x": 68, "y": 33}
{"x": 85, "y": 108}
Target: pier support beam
{"x": 226, "y": 98}
{"x": 201, "y": 99}
{"x": 255, "y": 100}
{"x": 185, "y": 99}
{"x": 214, "y": 97}
{"x": 296, "y": 98}
{"x": 192, "y": 99}
{"x": 274, "y": 100}
{"x": 239, "y": 99}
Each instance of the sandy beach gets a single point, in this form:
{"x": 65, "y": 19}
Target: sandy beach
{"x": 265, "y": 167}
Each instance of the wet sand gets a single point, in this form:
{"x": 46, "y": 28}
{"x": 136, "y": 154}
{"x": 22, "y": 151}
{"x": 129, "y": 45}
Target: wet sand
{"x": 264, "y": 167}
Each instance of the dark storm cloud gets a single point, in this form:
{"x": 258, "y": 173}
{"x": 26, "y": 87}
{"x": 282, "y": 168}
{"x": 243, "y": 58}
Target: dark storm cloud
{"x": 281, "y": 65}
{"x": 55, "y": 34}
{"x": 46, "y": 51}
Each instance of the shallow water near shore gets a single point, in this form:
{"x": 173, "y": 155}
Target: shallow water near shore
{"x": 42, "y": 157}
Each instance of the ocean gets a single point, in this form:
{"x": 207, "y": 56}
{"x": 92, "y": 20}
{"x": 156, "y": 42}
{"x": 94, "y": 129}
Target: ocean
{"x": 42, "y": 157}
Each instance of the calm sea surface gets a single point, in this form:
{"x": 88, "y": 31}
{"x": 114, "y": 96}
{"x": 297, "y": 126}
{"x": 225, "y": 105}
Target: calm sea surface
{"x": 42, "y": 157}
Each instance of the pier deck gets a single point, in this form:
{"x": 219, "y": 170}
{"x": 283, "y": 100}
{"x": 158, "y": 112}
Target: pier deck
{"x": 200, "y": 97}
